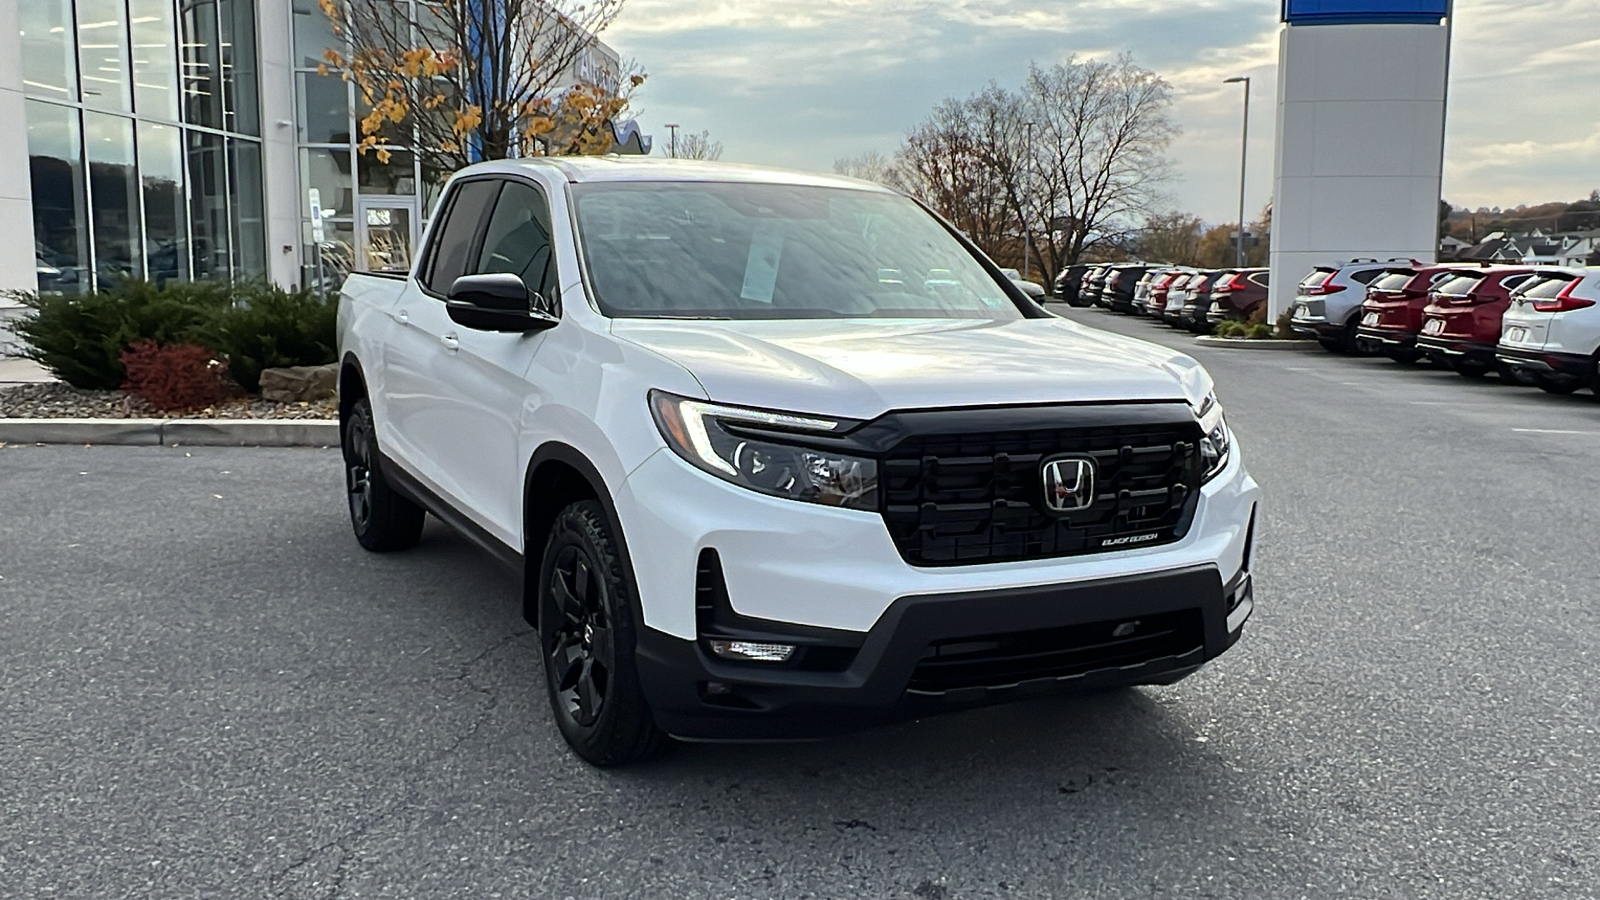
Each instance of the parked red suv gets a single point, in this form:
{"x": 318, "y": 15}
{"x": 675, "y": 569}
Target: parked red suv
{"x": 1236, "y": 296}
{"x": 1157, "y": 301}
{"x": 1461, "y": 326}
{"x": 1392, "y": 313}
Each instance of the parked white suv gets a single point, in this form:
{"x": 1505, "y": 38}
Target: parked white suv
{"x": 1327, "y": 302}
{"x": 1552, "y": 330}
{"x": 780, "y": 455}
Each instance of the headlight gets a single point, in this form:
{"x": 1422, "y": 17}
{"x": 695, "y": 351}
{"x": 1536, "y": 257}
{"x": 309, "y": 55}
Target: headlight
{"x": 1217, "y": 443}
{"x": 710, "y": 437}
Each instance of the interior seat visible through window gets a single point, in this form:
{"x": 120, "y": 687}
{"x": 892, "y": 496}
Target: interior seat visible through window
{"x": 518, "y": 240}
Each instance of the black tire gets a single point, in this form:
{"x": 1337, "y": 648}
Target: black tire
{"x": 1331, "y": 345}
{"x": 1468, "y": 368}
{"x": 1405, "y": 356}
{"x": 587, "y": 637}
{"x": 1512, "y": 375}
{"x": 1558, "y": 384}
{"x": 383, "y": 520}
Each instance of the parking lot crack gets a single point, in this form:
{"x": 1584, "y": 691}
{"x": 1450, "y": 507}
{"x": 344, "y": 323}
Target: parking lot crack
{"x": 326, "y": 865}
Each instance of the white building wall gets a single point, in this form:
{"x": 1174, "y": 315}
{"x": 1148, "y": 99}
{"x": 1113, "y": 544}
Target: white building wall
{"x": 280, "y": 159}
{"x": 1360, "y": 138}
{"x": 16, "y": 208}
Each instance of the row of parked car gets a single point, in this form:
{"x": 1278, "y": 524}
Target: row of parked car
{"x": 1196, "y": 299}
{"x": 1536, "y": 325}
{"x": 1531, "y": 324}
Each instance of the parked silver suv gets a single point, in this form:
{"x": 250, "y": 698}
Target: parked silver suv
{"x": 1327, "y": 302}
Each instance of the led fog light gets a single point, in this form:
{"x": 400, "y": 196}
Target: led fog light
{"x": 750, "y": 651}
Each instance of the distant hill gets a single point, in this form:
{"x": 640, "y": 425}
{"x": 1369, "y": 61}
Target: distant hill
{"x": 1472, "y": 225}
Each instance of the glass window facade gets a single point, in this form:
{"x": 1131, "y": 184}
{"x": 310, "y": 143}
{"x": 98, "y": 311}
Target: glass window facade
{"x": 144, "y": 140}
{"x": 373, "y": 210}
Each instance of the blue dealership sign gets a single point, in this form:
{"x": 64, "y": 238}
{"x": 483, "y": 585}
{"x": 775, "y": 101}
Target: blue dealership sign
{"x": 1352, "y": 12}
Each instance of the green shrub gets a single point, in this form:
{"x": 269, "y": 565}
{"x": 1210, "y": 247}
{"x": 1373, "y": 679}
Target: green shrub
{"x": 1259, "y": 331}
{"x": 81, "y": 339}
{"x": 268, "y": 328}
{"x": 1229, "y": 329}
{"x": 251, "y": 325}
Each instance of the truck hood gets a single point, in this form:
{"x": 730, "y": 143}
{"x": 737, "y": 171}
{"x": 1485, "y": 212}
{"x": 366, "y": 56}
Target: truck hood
{"x": 861, "y": 369}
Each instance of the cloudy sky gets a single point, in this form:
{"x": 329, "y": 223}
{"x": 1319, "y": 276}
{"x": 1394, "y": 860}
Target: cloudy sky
{"x": 800, "y": 83}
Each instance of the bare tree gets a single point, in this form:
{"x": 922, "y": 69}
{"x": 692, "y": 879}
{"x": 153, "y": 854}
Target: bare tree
{"x": 1171, "y": 238}
{"x": 697, "y": 146}
{"x": 1071, "y": 162}
{"x": 947, "y": 162}
{"x": 463, "y": 79}
{"x": 1103, "y": 128}
{"x": 871, "y": 166}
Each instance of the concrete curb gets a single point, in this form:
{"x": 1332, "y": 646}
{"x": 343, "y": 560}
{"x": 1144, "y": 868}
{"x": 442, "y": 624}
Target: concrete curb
{"x": 173, "y": 432}
{"x": 1246, "y": 344}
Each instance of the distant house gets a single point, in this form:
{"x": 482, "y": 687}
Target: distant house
{"x": 1451, "y": 248}
{"x": 1534, "y": 248}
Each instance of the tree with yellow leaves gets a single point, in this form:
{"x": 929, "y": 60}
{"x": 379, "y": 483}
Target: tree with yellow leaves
{"x": 467, "y": 80}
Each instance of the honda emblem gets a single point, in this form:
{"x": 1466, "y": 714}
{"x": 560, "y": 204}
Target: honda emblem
{"x": 1068, "y": 484}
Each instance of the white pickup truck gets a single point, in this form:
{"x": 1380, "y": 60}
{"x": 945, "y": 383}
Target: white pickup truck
{"x": 779, "y": 455}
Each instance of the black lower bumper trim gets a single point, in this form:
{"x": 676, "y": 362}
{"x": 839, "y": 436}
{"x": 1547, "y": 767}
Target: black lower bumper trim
{"x": 1474, "y": 350}
{"x": 1538, "y": 360}
{"x": 1185, "y": 611}
{"x": 1403, "y": 339}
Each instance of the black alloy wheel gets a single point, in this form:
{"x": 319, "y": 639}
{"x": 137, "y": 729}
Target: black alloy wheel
{"x": 587, "y": 635}
{"x": 582, "y": 653}
{"x": 383, "y": 520}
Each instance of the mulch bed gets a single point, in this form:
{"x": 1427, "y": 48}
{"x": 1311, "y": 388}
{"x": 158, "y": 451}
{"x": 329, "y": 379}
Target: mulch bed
{"x": 62, "y": 401}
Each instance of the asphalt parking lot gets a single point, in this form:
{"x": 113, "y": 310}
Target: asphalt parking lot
{"x": 210, "y": 691}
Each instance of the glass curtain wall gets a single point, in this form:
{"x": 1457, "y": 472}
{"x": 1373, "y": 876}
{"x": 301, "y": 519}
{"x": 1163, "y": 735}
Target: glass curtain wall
{"x": 144, "y": 139}
{"x": 367, "y": 205}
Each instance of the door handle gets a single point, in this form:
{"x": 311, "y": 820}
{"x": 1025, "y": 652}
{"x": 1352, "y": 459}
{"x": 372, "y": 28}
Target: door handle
{"x": 450, "y": 342}
{"x": 403, "y": 318}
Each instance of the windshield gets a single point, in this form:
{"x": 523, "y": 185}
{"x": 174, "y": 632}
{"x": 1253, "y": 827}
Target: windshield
{"x": 771, "y": 251}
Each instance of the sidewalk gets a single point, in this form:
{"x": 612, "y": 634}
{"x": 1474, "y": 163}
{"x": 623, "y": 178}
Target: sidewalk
{"x": 22, "y": 371}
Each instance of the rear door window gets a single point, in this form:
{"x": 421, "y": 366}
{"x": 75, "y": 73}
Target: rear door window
{"x": 1365, "y": 276}
{"x": 467, "y": 207}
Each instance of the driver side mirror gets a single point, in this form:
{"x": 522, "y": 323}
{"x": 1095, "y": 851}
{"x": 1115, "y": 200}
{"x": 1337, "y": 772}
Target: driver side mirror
{"x": 498, "y": 302}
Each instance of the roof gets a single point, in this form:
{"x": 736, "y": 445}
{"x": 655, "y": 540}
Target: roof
{"x": 616, "y": 168}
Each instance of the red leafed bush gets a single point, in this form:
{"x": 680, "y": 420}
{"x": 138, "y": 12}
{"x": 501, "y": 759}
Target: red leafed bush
{"x": 175, "y": 377}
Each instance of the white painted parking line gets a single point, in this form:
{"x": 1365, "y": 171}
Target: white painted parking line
{"x": 1554, "y": 431}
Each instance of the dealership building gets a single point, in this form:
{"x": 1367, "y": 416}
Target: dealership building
{"x": 186, "y": 139}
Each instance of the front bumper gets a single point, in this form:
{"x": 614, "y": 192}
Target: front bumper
{"x": 806, "y": 574}
{"x": 935, "y": 653}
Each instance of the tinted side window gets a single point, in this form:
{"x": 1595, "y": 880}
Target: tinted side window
{"x": 447, "y": 261}
{"x": 1366, "y": 276}
{"x": 518, "y": 239}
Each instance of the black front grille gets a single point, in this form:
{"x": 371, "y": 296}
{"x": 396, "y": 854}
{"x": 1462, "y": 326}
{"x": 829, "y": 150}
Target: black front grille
{"x": 960, "y": 499}
{"x": 998, "y": 661}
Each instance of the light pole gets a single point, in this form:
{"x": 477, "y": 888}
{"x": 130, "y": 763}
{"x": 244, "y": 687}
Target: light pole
{"x": 1244, "y": 158}
{"x": 1027, "y": 227}
{"x": 674, "y": 130}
